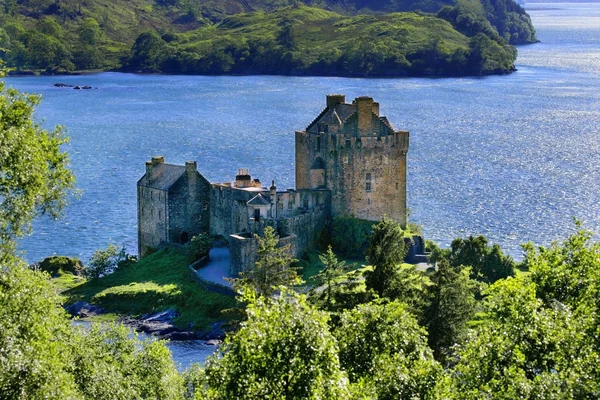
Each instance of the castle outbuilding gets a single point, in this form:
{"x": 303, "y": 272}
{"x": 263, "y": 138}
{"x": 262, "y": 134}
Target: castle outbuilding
{"x": 349, "y": 161}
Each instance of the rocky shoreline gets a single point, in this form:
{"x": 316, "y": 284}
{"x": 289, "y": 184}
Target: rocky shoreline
{"x": 159, "y": 324}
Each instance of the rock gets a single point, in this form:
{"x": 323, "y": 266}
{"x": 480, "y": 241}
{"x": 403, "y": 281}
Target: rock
{"x": 62, "y": 85}
{"x": 77, "y": 87}
{"x": 179, "y": 335}
{"x": 83, "y": 309}
{"x": 213, "y": 342}
{"x": 216, "y": 332}
{"x": 162, "y": 316}
{"x": 86, "y": 87}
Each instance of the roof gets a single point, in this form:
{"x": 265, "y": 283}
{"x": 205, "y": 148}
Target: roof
{"x": 340, "y": 114}
{"x": 258, "y": 200}
{"x": 163, "y": 176}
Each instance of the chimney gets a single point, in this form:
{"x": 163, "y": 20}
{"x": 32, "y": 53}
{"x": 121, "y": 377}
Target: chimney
{"x": 191, "y": 166}
{"x": 376, "y": 108}
{"x": 157, "y": 160}
{"x": 365, "y": 106}
{"x": 148, "y": 169}
{"x": 335, "y": 99}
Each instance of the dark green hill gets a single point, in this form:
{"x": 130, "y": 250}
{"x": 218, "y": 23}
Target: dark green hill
{"x": 343, "y": 37}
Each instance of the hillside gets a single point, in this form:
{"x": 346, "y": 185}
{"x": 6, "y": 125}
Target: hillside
{"x": 342, "y": 38}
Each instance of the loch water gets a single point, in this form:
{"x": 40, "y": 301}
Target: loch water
{"x": 513, "y": 157}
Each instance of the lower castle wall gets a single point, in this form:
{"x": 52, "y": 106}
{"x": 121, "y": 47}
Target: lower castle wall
{"x": 243, "y": 251}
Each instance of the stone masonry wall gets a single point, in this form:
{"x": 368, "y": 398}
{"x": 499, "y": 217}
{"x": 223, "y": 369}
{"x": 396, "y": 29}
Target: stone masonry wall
{"x": 243, "y": 251}
{"x": 152, "y": 218}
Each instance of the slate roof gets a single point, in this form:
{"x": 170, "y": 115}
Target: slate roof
{"x": 338, "y": 114}
{"x": 259, "y": 200}
{"x": 163, "y": 176}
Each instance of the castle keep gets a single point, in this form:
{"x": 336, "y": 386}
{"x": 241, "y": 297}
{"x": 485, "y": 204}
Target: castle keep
{"x": 349, "y": 161}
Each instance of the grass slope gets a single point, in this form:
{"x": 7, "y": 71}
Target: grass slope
{"x": 157, "y": 282}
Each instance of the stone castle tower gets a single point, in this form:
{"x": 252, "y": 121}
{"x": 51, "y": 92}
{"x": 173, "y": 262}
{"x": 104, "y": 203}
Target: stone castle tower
{"x": 355, "y": 153}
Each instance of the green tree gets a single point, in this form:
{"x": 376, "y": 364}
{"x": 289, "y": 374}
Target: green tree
{"x": 283, "y": 351}
{"x": 382, "y": 347}
{"x": 198, "y": 247}
{"x": 328, "y": 276}
{"x": 272, "y": 267}
{"x": 451, "y": 304}
{"x": 148, "y": 52}
{"x": 104, "y": 262}
{"x": 385, "y": 253}
{"x": 34, "y": 174}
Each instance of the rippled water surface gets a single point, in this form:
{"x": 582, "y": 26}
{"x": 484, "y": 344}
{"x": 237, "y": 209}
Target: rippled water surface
{"x": 513, "y": 157}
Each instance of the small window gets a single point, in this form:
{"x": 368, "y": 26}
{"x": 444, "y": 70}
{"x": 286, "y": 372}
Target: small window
{"x": 368, "y": 177}
{"x": 318, "y": 143}
{"x": 159, "y": 215}
{"x": 396, "y": 185}
{"x": 152, "y": 213}
{"x": 368, "y": 186}
{"x": 257, "y": 214}
{"x": 289, "y": 205}
{"x": 151, "y": 195}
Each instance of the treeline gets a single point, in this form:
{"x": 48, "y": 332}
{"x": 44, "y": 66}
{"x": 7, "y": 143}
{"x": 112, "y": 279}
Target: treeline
{"x": 296, "y": 40}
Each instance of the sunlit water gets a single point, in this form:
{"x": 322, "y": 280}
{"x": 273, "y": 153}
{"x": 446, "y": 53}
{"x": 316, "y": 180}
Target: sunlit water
{"x": 513, "y": 157}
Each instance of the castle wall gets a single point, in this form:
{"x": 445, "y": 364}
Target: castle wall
{"x": 228, "y": 210}
{"x": 305, "y": 227}
{"x": 243, "y": 250}
{"x": 152, "y": 218}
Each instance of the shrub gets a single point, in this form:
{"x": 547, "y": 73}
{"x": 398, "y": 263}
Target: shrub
{"x": 349, "y": 236}
{"x": 58, "y": 265}
{"x": 198, "y": 247}
{"x": 104, "y": 262}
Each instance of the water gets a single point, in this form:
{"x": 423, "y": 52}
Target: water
{"x": 513, "y": 157}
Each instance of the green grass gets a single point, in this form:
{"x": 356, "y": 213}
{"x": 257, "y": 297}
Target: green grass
{"x": 158, "y": 282}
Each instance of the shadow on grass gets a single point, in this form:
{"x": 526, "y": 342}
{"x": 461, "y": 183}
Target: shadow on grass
{"x": 157, "y": 282}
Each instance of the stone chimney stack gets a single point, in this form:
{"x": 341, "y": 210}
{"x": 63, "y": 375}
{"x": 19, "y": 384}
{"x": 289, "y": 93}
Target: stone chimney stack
{"x": 334, "y": 99}
{"x": 149, "y": 164}
{"x": 191, "y": 166}
{"x": 376, "y": 108}
{"x": 365, "y": 106}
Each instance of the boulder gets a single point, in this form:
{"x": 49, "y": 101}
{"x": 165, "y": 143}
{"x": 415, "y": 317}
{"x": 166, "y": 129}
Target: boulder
{"x": 83, "y": 309}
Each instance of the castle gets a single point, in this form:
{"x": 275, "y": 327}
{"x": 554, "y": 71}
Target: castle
{"x": 349, "y": 161}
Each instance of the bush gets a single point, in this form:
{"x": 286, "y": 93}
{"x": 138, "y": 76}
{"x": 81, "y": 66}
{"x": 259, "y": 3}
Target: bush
{"x": 58, "y": 265}
{"x": 198, "y": 247}
{"x": 104, "y": 262}
{"x": 350, "y": 235}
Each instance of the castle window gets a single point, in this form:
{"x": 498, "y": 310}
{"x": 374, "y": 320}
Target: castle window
{"x": 368, "y": 186}
{"x": 396, "y": 185}
{"x": 318, "y": 143}
{"x": 368, "y": 182}
{"x": 289, "y": 205}
{"x": 151, "y": 195}
{"x": 152, "y": 212}
{"x": 159, "y": 215}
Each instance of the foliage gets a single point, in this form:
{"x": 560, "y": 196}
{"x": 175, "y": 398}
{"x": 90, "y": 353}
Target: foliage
{"x": 385, "y": 253}
{"x": 450, "y": 305}
{"x": 58, "y": 265}
{"x": 104, "y": 262}
{"x": 332, "y": 271}
{"x": 383, "y": 347}
{"x": 198, "y": 247}
{"x": 272, "y": 267}
{"x": 157, "y": 282}
{"x": 350, "y": 235}
{"x": 180, "y": 36}
{"x": 488, "y": 263}
{"x": 33, "y": 337}
{"x": 283, "y": 350}
{"x": 34, "y": 174}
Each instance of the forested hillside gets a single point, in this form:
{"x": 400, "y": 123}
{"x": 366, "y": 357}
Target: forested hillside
{"x": 325, "y": 37}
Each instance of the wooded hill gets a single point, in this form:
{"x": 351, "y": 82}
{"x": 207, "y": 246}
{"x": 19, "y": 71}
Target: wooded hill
{"x": 325, "y": 37}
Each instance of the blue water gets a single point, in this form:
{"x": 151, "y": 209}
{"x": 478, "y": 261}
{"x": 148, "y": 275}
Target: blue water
{"x": 513, "y": 157}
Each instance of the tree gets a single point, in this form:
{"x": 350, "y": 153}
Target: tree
{"x": 332, "y": 271}
{"x": 382, "y": 347}
{"x": 148, "y": 52}
{"x": 34, "y": 174}
{"x": 385, "y": 253}
{"x": 272, "y": 267}
{"x": 283, "y": 351}
{"x": 104, "y": 262}
{"x": 198, "y": 247}
{"x": 451, "y": 304}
